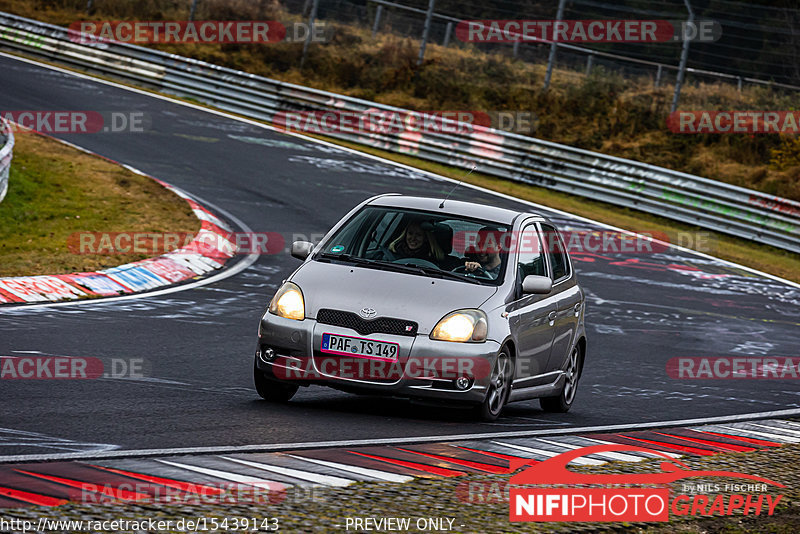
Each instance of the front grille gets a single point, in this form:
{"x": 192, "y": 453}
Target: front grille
{"x": 379, "y": 325}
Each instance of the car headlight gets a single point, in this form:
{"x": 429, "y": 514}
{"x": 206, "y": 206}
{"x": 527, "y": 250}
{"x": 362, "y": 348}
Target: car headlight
{"x": 462, "y": 326}
{"x": 288, "y": 302}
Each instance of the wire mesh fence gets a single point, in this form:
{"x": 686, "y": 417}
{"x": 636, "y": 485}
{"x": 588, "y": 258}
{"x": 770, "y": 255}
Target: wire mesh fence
{"x": 750, "y": 50}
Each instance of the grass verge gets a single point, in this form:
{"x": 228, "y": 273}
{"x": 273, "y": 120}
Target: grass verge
{"x": 56, "y": 190}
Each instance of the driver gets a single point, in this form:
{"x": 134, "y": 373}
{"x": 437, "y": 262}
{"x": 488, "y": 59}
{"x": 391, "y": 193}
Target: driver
{"x": 414, "y": 242}
{"x": 486, "y": 257}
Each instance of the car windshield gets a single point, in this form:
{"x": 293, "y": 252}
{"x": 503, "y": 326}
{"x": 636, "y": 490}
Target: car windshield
{"x": 428, "y": 244}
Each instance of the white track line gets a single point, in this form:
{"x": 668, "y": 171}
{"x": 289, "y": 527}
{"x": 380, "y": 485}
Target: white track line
{"x": 393, "y": 163}
{"x": 274, "y": 447}
{"x": 308, "y": 476}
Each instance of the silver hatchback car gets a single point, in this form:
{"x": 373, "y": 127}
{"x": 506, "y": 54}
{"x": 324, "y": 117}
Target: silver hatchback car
{"x": 440, "y": 301}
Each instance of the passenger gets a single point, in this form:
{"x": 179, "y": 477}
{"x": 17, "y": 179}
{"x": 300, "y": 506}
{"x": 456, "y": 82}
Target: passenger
{"x": 414, "y": 242}
{"x": 487, "y": 256}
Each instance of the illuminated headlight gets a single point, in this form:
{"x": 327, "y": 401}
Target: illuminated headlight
{"x": 288, "y": 302}
{"x": 463, "y": 326}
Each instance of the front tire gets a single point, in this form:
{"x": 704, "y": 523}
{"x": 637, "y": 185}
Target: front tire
{"x": 499, "y": 388}
{"x": 272, "y": 390}
{"x": 562, "y": 402}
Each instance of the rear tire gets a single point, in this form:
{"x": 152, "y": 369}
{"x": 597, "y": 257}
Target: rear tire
{"x": 272, "y": 390}
{"x": 562, "y": 402}
{"x": 499, "y": 388}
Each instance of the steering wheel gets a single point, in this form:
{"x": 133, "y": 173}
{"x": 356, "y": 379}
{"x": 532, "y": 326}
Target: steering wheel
{"x": 419, "y": 262}
{"x": 480, "y": 272}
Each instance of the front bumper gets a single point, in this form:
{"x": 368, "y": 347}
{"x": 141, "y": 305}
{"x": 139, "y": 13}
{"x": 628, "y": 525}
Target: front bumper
{"x": 289, "y": 351}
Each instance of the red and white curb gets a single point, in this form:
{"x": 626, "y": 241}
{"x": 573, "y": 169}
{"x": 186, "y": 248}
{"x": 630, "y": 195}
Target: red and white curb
{"x": 148, "y": 479}
{"x": 210, "y": 249}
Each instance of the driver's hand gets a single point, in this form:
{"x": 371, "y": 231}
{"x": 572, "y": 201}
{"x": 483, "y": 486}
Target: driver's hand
{"x": 472, "y": 265}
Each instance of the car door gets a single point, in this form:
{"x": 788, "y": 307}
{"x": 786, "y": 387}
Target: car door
{"x": 567, "y": 293}
{"x": 531, "y": 317}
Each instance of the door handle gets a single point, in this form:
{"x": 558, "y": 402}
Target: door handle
{"x": 578, "y": 307}
{"x": 552, "y": 316}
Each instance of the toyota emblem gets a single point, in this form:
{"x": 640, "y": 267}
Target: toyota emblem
{"x": 367, "y": 313}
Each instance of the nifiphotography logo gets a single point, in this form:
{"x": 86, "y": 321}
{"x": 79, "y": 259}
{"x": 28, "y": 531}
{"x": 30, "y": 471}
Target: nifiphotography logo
{"x": 643, "y": 497}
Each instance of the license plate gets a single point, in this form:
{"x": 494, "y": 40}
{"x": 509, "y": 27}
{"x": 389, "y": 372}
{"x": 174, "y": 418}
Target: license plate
{"x": 357, "y": 346}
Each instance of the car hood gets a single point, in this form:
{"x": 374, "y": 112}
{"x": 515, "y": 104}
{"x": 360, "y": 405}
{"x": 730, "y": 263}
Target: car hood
{"x": 417, "y": 298}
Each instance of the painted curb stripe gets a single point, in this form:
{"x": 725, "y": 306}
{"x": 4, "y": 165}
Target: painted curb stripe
{"x": 754, "y": 441}
{"x": 486, "y": 468}
{"x": 326, "y": 480}
{"x": 116, "y": 493}
{"x": 363, "y": 471}
{"x": 31, "y": 498}
{"x": 440, "y": 471}
{"x": 718, "y": 444}
{"x": 188, "y": 487}
{"x": 683, "y": 448}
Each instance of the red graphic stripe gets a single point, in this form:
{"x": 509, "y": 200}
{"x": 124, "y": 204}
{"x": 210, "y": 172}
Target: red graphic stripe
{"x": 441, "y": 471}
{"x": 177, "y": 484}
{"x": 497, "y": 454}
{"x": 737, "y": 448}
{"x": 660, "y": 444}
{"x": 486, "y": 468}
{"x": 31, "y": 498}
{"x": 116, "y": 493}
{"x": 754, "y": 441}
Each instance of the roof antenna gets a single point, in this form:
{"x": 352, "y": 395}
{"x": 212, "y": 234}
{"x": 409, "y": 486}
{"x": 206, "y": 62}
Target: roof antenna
{"x": 474, "y": 166}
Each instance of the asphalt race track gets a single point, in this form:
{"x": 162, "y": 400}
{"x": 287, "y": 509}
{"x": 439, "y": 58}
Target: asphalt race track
{"x": 198, "y": 344}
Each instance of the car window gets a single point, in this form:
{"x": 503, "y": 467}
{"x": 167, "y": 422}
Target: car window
{"x": 530, "y": 260}
{"x": 458, "y": 245}
{"x": 556, "y": 252}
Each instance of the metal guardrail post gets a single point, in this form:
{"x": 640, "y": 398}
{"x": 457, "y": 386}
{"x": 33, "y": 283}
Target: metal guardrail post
{"x": 589, "y": 62}
{"x": 448, "y": 30}
{"x": 684, "y": 58}
{"x": 193, "y": 10}
{"x": 310, "y": 35}
{"x": 553, "y": 46}
{"x": 426, "y": 32}
{"x": 377, "y": 22}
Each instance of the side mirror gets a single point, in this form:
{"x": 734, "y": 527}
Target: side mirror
{"x": 302, "y": 249}
{"x": 537, "y": 285}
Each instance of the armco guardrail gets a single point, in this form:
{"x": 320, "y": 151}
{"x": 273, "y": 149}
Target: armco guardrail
{"x": 6, "y": 153}
{"x": 680, "y": 196}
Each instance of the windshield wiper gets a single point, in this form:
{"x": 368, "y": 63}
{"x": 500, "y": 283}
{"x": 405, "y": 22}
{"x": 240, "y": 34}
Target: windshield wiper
{"x": 443, "y": 274}
{"x": 402, "y": 267}
{"x": 346, "y": 257}
{"x": 366, "y": 262}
